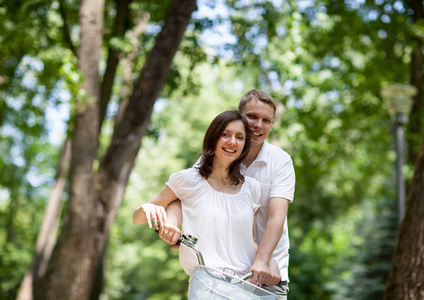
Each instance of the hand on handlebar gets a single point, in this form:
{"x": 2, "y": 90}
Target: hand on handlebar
{"x": 170, "y": 234}
{"x": 275, "y": 273}
{"x": 263, "y": 273}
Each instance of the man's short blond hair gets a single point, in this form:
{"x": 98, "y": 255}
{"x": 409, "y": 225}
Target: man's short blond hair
{"x": 258, "y": 95}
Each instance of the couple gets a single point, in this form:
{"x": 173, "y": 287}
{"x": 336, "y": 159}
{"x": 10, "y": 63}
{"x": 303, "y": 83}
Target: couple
{"x": 240, "y": 183}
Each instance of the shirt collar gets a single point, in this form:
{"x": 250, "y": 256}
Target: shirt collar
{"x": 261, "y": 158}
{"x": 262, "y": 153}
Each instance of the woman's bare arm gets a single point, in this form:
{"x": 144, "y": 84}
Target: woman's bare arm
{"x": 155, "y": 208}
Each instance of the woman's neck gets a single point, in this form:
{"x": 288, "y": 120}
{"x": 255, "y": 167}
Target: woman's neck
{"x": 220, "y": 173}
{"x": 220, "y": 181}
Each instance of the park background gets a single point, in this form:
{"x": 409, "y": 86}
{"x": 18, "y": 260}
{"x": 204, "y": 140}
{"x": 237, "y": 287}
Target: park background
{"x": 129, "y": 96}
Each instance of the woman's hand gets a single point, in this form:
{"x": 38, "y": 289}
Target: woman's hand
{"x": 156, "y": 213}
{"x": 170, "y": 234}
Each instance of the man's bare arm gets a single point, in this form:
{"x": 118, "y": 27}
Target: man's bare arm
{"x": 171, "y": 232}
{"x": 277, "y": 212}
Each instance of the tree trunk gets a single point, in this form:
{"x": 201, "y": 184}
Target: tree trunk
{"x": 95, "y": 197}
{"x": 127, "y": 82}
{"x": 70, "y": 271}
{"x": 415, "y": 121}
{"x": 47, "y": 235}
{"x": 406, "y": 279}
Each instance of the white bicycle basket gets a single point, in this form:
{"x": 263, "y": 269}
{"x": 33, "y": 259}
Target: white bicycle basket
{"x": 210, "y": 284}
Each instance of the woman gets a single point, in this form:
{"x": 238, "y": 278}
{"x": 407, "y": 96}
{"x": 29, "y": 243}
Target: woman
{"x": 218, "y": 202}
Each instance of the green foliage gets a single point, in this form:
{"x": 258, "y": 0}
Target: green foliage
{"x": 326, "y": 64}
{"x": 29, "y": 76}
{"x": 13, "y": 261}
{"x": 143, "y": 266}
{"x": 368, "y": 270}
{"x": 323, "y": 61}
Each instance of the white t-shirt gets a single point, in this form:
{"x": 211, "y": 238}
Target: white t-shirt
{"x": 273, "y": 168}
{"x": 222, "y": 222}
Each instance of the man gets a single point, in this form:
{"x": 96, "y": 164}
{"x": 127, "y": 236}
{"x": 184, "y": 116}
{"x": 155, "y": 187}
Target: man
{"x": 273, "y": 168}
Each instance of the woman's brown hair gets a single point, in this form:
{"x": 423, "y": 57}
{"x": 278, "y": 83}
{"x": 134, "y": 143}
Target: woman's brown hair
{"x": 212, "y": 135}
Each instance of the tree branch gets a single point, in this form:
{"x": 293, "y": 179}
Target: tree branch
{"x": 47, "y": 235}
{"x": 128, "y": 64}
{"x": 122, "y": 23}
{"x": 129, "y": 132}
{"x": 66, "y": 32}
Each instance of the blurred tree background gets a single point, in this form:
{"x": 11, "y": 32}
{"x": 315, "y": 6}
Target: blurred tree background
{"x": 324, "y": 62}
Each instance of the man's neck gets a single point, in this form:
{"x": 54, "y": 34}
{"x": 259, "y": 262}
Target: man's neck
{"x": 253, "y": 153}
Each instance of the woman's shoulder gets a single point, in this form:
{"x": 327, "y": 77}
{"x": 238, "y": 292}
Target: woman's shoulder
{"x": 186, "y": 175}
{"x": 185, "y": 183}
{"x": 190, "y": 172}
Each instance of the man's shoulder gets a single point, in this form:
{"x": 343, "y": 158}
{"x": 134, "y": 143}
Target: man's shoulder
{"x": 276, "y": 153}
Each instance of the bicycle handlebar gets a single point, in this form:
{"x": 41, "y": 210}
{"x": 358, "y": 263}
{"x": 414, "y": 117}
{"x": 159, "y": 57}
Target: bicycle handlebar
{"x": 190, "y": 242}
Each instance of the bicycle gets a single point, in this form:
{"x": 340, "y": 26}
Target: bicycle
{"x": 209, "y": 283}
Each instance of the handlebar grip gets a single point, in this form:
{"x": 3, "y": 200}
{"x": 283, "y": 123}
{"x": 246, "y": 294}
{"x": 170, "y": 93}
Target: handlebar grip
{"x": 247, "y": 276}
{"x": 180, "y": 238}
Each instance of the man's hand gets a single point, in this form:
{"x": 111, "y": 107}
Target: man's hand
{"x": 275, "y": 273}
{"x": 156, "y": 213}
{"x": 170, "y": 234}
{"x": 261, "y": 273}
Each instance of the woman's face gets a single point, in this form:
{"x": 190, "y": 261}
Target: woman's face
{"x": 231, "y": 143}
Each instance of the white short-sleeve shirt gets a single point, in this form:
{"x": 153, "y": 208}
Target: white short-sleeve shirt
{"x": 273, "y": 168}
{"x": 221, "y": 222}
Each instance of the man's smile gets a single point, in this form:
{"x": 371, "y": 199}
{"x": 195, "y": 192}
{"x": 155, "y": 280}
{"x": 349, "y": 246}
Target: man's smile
{"x": 255, "y": 133}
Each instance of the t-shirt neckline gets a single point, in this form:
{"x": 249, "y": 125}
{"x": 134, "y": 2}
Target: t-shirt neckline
{"x": 227, "y": 194}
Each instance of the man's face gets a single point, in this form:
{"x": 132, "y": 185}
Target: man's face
{"x": 260, "y": 117}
